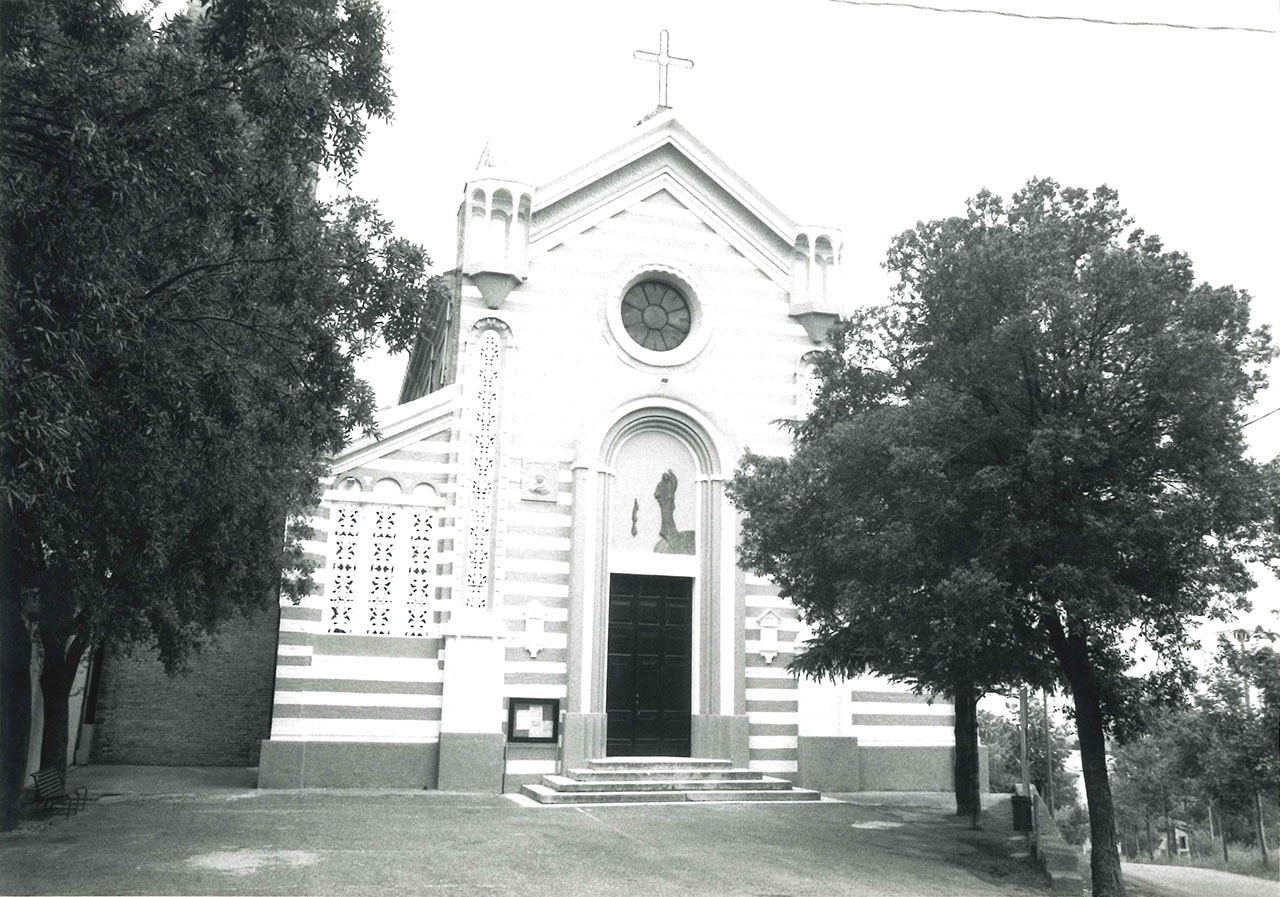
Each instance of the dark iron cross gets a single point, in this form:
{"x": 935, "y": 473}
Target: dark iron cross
{"x": 664, "y": 59}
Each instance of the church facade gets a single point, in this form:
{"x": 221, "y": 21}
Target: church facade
{"x": 539, "y": 538}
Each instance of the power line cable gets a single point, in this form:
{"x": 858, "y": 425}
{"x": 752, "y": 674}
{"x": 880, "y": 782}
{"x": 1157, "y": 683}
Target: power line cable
{"x": 1047, "y": 18}
{"x": 1260, "y": 417}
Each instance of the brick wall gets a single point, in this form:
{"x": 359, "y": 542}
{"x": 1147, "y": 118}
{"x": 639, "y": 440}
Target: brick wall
{"x": 212, "y": 715}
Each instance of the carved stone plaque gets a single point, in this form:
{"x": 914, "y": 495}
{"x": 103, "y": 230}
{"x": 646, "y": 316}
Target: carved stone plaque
{"x": 538, "y": 481}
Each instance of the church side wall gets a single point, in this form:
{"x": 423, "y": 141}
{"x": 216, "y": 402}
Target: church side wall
{"x": 214, "y": 714}
{"x": 359, "y": 680}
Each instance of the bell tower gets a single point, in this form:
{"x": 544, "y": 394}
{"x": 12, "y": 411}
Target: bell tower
{"x": 817, "y": 263}
{"x": 493, "y": 229}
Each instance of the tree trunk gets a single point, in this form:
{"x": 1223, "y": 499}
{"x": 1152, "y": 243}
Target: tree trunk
{"x": 1104, "y": 860}
{"x": 1262, "y": 832}
{"x": 1151, "y": 842}
{"x": 57, "y": 675}
{"x": 967, "y": 772}
{"x": 15, "y": 684}
{"x": 1171, "y": 831}
{"x": 1222, "y": 830}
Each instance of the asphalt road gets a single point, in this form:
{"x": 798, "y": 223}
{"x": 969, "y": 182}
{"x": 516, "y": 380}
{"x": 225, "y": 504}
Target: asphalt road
{"x": 244, "y": 841}
{"x": 1184, "y": 881}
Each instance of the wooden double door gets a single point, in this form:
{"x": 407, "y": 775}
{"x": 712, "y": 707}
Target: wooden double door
{"x": 649, "y": 685}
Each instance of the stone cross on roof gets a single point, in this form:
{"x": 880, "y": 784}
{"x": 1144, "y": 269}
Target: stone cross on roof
{"x": 664, "y": 60}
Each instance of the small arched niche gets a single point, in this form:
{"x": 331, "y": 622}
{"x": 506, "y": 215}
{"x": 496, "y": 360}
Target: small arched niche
{"x": 387, "y": 486}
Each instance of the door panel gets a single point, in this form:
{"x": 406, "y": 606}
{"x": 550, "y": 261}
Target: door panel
{"x": 647, "y": 696}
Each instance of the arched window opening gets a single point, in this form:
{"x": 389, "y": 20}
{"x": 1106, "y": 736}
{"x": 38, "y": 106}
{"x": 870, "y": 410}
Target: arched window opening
{"x": 500, "y": 226}
{"x": 824, "y": 258}
{"x": 801, "y": 273}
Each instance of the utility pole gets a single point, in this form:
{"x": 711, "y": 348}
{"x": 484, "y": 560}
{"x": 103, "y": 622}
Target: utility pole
{"x": 1242, "y": 636}
{"x": 1026, "y": 769}
{"x": 1048, "y": 757}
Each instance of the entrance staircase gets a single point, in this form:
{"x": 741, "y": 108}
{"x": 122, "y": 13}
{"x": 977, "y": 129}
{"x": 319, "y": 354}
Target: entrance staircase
{"x": 644, "y": 780}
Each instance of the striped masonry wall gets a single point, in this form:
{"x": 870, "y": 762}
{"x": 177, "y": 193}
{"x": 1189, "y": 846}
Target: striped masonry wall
{"x": 888, "y": 714}
{"x": 781, "y": 708}
{"x": 333, "y": 686}
{"x": 773, "y": 710}
{"x": 532, "y": 596}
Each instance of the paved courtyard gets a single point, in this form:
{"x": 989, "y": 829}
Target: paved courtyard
{"x": 209, "y": 832}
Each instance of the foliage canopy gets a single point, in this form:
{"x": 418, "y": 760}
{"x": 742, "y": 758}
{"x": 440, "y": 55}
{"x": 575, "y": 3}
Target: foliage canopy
{"x": 182, "y": 312}
{"x": 1002, "y": 736}
{"x": 1024, "y": 467}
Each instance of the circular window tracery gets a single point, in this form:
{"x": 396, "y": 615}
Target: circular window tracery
{"x": 656, "y": 315}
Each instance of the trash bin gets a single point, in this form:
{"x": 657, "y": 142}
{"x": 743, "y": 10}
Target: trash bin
{"x": 1021, "y": 813}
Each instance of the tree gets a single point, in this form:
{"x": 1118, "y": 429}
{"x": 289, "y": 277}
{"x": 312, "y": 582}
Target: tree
{"x": 182, "y": 317}
{"x": 882, "y": 590}
{"x": 1226, "y": 745}
{"x": 1003, "y": 737}
{"x": 1073, "y": 823}
{"x": 1148, "y": 781}
{"x": 1216, "y": 754}
{"x": 1065, "y": 406}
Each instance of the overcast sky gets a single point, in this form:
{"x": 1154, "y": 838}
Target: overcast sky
{"x": 868, "y": 119}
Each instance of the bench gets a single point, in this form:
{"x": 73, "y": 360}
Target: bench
{"x": 51, "y": 791}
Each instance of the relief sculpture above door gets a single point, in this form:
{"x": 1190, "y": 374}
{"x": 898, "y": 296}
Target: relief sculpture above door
{"x": 655, "y": 505}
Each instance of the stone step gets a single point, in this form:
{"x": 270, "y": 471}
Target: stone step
{"x": 787, "y": 795}
{"x": 640, "y": 775}
{"x": 545, "y": 795}
{"x": 756, "y": 783}
{"x": 671, "y": 763}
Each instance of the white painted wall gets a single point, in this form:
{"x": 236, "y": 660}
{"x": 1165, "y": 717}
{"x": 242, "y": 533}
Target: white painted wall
{"x": 75, "y": 707}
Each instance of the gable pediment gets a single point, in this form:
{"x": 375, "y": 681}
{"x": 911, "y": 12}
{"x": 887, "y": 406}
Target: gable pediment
{"x": 400, "y": 426}
{"x": 665, "y": 159}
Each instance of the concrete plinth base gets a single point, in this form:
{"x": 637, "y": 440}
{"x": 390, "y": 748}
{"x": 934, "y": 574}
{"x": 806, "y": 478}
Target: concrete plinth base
{"x": 906, "y": 768}
{"x": 347, "y": 764}
{"x": 583, "y": 739}
{"x": 720, "y": 737}
{"x": 471, "y": 762}
{"x": 829, "y": 763}
{"x": 913, "y": 768}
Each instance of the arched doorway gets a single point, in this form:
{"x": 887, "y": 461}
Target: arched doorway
{"x": 654, "y": 609}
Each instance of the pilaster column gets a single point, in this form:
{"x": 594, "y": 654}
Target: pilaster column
{"x": 584, "y": 720}
{"x": 471, "y": 738}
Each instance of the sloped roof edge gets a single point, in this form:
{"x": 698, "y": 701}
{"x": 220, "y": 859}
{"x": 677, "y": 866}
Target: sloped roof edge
{"x": 398, "y": 427}
{"x": 663, "y": 129}
{"x": 665, "y": 179}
